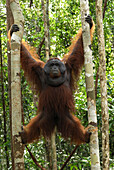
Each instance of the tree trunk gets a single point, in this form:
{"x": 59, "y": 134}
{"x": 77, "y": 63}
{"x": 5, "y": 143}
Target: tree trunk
{"x": 16, "y": 116}
{"x": 103, "y": 86}
{"x": 92, "y": 117}
{"x": 53, "y": 151}
{"x": 46, "y": 25}
{"x": 10, "y": 21}
{"x": 51, "y": 144}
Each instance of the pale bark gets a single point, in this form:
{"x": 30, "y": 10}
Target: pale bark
{"x": 16, "y": 116}
{"x": 103, "y": 86}
{"x": 92, "y": 117}
{"x": 53, "y": 148}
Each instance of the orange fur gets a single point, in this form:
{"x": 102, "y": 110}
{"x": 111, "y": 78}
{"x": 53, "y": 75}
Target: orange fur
{"x": 9, "y": 38}
{"x": 31, "y": 50}
{"x": 55, "y": 99}
{"x": 75, "y": 39}
{"x": 56, "y": 104}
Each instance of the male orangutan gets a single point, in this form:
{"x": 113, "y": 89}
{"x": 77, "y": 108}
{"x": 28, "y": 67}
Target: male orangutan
{"x": 54, "y": 82}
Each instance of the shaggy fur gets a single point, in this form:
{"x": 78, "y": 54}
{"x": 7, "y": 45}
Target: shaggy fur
{"x": 56, "y": 105}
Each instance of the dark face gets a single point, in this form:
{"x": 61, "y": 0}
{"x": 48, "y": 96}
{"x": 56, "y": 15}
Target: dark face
{"x": 55, "y": 72}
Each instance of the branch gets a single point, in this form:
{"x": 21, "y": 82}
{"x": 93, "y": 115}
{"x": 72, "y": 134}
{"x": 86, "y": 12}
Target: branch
{"x": 68, "y": 159}
{"x": 105, "y": 4}
{"x": 34, "y": 159}
{"x": 40, "y": 46}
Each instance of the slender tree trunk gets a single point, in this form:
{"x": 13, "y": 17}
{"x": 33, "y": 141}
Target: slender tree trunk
{"x": 45, "y": 6}
{"x": 48, "y": 142}
{"x": 18, "y": 149}
{"x": 97, "y": 74}
{"x": 51, "y": 144}
{"x": 103, "y": 84}
{"x": 53, "y": 148}
{"x": 3, "y": 103}
{"x": 10, "y": 21}
{"x": 92, "y": 117}
{"x": 48, "y": 25}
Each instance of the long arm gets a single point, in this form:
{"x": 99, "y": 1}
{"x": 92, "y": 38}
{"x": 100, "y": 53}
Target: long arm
{"x": 74, "y": 59}
{"x": 33, "y": 68}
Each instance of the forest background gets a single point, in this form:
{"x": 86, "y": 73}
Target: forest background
{"x": 65, "y": 21}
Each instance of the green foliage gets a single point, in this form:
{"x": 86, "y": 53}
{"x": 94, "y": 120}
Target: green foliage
{"x": 4, "y": 85}
{"x": 64, "y": 23}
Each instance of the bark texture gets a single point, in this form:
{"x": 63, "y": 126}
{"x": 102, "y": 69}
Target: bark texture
{"x": 103, "y": 86}
{"x": 53, "y": 148}
{"x": 51, "y": 143}
{"x": 10, "y": 21}
{"x": 92, "y": 117}
{"x": 16, "y": 115}
{"x": 45, "y": 6}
